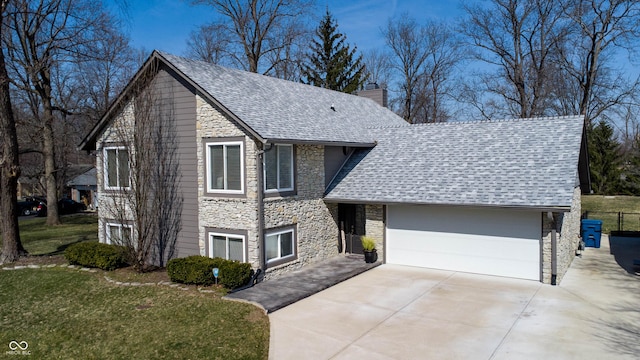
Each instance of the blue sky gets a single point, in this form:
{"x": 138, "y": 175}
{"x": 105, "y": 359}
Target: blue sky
{"x": 166, "y": 24}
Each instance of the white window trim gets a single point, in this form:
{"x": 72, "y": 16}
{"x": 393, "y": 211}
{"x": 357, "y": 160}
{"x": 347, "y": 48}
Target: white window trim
{"x": 280, "y": 258}
{"x": 105, "y": 165}
{"x": 208, "y": 166}
{"x": 227, "y": 236}
{"x": 264, "y": 167}
{"x": 107, "y": 231}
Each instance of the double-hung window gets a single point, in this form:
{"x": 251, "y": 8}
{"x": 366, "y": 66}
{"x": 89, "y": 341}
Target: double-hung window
{"x": 116, "y": 168}
{"x": 227, "y": 246}
{"x": 280, "y": 246}
{"x": 225, "y": 167}
{"x": 278, "y": 169}
{"x": 118, "y": 234}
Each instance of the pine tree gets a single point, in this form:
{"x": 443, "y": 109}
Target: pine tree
{"x": 631, "y": 170}
{"x": 331, "y": 64}
{"x": 604, "y": 159}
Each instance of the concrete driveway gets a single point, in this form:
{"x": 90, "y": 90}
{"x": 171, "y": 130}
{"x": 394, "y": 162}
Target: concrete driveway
{"x": 396, "y": 312}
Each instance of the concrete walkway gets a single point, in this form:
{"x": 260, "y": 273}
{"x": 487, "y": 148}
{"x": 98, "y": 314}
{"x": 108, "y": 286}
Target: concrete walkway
{"x": 395, "y": 312}
{"x": 297, "y": 285}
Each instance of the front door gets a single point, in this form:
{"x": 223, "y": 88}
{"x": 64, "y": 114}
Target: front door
{"x": 351, "y": 219}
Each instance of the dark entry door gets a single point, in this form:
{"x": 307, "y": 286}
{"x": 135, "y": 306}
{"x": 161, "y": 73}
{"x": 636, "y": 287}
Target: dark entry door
{"x": 351, "y": 219}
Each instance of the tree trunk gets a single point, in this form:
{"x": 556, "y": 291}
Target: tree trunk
{"x": 9, "y": 169}
{"x": 49, "y": 169}
{"x": 48, "y": 147}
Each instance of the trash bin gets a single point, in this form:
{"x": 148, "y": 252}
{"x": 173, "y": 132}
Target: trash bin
{"x": 591, "y": 232}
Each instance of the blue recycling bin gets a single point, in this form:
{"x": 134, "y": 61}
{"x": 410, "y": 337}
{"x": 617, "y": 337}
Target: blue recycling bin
{"x": 591, "y": 232}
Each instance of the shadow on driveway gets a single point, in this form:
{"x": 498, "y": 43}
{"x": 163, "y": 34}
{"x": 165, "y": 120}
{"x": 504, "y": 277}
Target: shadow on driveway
{"x": 625, "y": 247}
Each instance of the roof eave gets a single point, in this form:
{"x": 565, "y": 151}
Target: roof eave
{"x": 544, "y": 208}
{"x": 358, "y": 144}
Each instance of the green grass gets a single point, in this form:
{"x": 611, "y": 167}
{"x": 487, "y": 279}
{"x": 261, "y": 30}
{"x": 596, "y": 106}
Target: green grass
{"x": 39, "y": 239}
{"x": 70, "y": 314}
{"x": 606, "y": 208}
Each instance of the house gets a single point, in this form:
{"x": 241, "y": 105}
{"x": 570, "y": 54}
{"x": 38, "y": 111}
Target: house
{"x": 83, "y": 187}
{"x": 271, "y": 171}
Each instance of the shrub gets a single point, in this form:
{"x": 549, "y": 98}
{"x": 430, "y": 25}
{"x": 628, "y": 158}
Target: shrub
{"x": 197, "y": 270}
{"x": 192, "y": 270}
{"x": 96, "y": 255}
{"x": 368, "y": 243}
{"x": 234, "y": 274}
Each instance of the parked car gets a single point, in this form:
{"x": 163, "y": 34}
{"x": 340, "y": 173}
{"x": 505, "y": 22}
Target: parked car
{"x": 27, "y": 206}
{"x": 65, "y": 206}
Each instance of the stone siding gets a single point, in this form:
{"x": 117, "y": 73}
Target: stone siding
{"x": 567, "y": 226}
{"x": 111, "y": 202}
{"x": 315, "y": 221}
{"x": 374, "y": 227}
{"x": 221, "y": 211}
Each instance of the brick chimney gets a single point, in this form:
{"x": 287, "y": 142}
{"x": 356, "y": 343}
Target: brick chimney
{"x": 375, "y": 93}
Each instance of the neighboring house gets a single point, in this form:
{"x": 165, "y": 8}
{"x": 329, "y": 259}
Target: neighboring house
{"x": 271, "y": 170}
{"x": 83, "y": 188}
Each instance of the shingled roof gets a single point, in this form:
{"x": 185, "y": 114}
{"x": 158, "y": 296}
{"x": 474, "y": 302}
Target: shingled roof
{"x": 285, "y": 111}
{"x": 274, "y": 110}
{"x": 529, "y": 163}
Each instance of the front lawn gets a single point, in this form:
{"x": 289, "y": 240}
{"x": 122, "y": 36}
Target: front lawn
{"x": 63, "y": 313}
{"x": 39, "y": 239}
{"x": 71, "y": 314}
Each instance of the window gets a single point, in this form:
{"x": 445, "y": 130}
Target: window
{"x": 225, "y": 167}
{"x": 280, "y": 246}
{"x": 226, "y": 246}
{"x": 116, "y": 163}
{"x": 118, "y": 234}
{"x": 278, "y": 168}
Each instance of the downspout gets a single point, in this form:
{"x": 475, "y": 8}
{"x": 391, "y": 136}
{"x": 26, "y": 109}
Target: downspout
{"x": 554, "y": 249}
{"x": 260, "y": 197}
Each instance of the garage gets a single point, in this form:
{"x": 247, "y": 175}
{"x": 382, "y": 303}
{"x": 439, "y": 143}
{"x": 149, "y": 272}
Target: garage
{"x": 492, "y": 241}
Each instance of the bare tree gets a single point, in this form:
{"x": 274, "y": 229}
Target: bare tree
{"x": 148, "y": 197}
{"x": 425, "y": 56}
{"x": 252, "y": 31}
{"x": 406, "y": 39}
{"x": 444, "y": 54}
{"x": 9, "y": 165}
{"x": 378, "y": 66}
{"x": 517, "y": 39}
{"x": 598, "y": 29}
{"x": 209, "y": 43}
{"x": 46, "y": 37}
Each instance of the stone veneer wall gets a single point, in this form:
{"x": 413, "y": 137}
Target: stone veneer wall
{"x": 117, "y": 133}
{"x": 568, "y": 238}
{"x": 224, "y": 212}
{"x": 315, "y": 221}
{"x": 374, "y": 227}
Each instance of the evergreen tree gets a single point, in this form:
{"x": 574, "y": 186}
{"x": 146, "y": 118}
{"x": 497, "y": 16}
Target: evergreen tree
{"x": 331, "y": 64}
{"x": 604, "y": 159}
{"x": 631, "y": 170}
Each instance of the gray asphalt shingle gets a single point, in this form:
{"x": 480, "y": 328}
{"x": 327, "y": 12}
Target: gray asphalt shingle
{"x": 287, "y": 111}
{"x": 519, "y": 163}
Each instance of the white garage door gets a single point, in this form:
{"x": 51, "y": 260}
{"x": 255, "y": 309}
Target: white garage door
{"x": 484, "y": 241}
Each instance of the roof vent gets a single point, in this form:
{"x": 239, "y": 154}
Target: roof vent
{"x": 333, "y": 107}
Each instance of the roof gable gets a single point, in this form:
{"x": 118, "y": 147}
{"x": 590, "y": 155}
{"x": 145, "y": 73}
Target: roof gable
{"x": 285, "y": 111}
{"x": 271, "y": 109}
{"x": 510, "y": 163}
